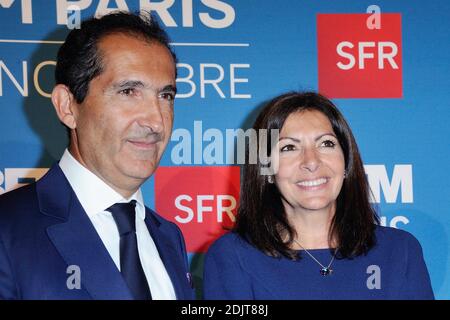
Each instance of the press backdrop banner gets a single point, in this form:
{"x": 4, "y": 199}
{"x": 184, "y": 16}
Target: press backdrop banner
{"x": 384, "y": 63}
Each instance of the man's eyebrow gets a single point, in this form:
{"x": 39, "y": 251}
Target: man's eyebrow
{"x": 128, "y": 84}
{"x": 139, "y": 84}
{"x": 169, "y": 88}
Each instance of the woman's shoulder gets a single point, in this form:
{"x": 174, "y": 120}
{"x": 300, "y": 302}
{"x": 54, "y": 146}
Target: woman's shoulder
{"x": 229, "y": 241}
{"x": 230, "y": 251}
{"x": 392, "y": 237}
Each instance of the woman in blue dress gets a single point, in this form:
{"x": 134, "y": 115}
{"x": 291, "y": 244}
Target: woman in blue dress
{"x": 307, "y": 229}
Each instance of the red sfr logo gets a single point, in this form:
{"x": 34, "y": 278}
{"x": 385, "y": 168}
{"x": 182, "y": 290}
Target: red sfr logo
{"x": 202, "y": 201}
{"x": 358, "y": 62}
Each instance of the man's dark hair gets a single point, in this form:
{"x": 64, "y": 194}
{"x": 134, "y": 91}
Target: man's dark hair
{"x": 261, "y": 217}
{"x": 79, "y": 60}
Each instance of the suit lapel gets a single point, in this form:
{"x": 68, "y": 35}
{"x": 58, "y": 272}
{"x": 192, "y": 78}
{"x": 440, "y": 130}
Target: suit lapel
{"x": 171, "y": 258}
{"x": 76, "y": 239}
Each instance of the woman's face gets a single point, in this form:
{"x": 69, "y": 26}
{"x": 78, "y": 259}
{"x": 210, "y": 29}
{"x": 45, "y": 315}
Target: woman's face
{"x": 310, "y": 162}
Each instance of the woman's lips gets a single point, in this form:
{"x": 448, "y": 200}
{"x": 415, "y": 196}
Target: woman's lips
{"x": 313, "y": 184}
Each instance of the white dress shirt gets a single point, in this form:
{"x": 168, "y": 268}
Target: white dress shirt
{"x": 95, "y": 197}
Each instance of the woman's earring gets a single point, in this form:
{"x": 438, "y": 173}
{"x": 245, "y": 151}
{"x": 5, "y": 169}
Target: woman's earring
{"x": 345, "y": 174}
{"x": 270, "y": 179}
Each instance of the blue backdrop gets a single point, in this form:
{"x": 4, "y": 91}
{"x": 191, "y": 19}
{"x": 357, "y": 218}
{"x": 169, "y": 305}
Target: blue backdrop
{"x": 234, "y": 56}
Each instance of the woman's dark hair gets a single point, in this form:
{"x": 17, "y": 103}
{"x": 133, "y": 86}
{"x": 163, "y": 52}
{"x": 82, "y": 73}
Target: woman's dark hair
{"x": 79, "y": 60}
{"x": 261, "y": 218}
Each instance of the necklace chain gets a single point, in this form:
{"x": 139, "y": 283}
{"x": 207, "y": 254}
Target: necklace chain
{"x": 325, "y": 270}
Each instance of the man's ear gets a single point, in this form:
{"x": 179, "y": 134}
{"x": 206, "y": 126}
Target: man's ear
{"x": 64, "y": 103}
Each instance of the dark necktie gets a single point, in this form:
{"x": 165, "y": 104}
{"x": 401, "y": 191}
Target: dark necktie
{"x": 130, "y": 265}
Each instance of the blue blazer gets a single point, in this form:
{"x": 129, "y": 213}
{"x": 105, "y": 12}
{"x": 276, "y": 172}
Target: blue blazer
{"x": 44, "y": 230}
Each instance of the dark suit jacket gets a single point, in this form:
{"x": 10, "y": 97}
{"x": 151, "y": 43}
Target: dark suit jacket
{"x": 44, "y": 230}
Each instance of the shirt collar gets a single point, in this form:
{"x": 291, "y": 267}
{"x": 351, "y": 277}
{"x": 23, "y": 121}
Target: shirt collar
{"x": 93, "y": 193}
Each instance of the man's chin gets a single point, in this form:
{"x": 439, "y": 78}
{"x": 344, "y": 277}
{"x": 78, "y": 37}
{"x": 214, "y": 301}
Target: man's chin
{"x": 141, "y": 170}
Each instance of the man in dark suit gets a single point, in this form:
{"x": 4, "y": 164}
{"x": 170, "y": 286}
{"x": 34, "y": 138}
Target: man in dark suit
{"x": 83, "y": 231}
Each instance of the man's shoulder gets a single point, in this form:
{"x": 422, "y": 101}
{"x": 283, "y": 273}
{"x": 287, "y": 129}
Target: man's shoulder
{"x": 18, "y": 197}
{"x": 17, "y": 207}
{"x": 23, "y": 203}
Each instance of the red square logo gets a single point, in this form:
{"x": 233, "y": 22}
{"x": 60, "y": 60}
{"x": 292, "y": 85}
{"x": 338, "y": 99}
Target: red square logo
{"x": 358, "y": 62}
{"x": 202, "y": 201}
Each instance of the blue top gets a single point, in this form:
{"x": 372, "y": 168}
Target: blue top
{"x": 393, "y": 269}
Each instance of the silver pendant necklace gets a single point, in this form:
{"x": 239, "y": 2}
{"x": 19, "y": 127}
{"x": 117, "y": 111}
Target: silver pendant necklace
{"x": 324, "y": 271}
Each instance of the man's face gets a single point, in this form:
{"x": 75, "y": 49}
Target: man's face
{"x": 125, "y": 121}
